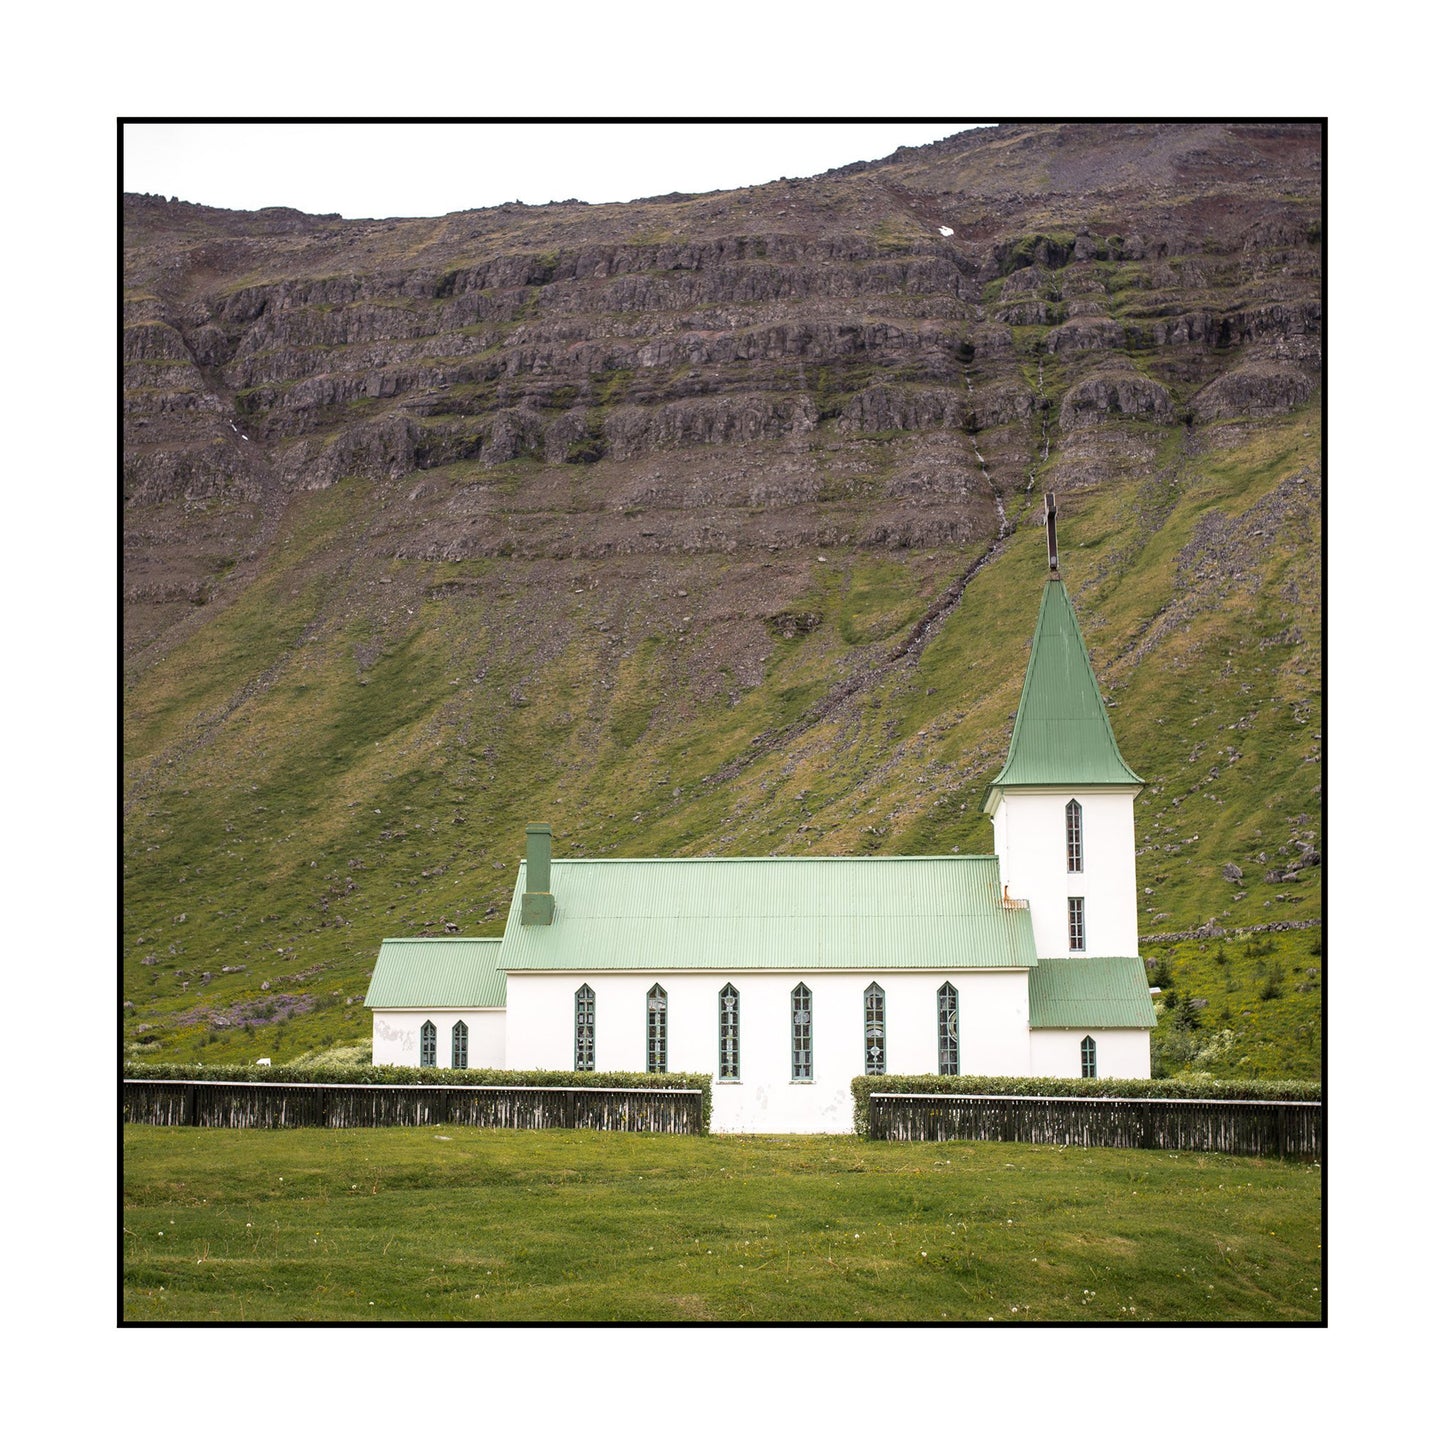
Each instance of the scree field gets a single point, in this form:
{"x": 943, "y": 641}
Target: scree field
{"x": 466, "y": 1225}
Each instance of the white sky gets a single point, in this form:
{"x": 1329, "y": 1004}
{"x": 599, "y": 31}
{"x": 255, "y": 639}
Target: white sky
{"x": 388, "y": 169}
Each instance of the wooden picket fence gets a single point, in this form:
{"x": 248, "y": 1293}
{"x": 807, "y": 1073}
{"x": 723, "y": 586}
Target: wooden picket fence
{"x": 1291, "y": 1130}
{"x": 219, "y": 1105}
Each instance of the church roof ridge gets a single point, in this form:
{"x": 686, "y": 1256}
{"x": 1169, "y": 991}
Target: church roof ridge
{"x": 793, "y": 858}
{"x": 1061, "y": 734}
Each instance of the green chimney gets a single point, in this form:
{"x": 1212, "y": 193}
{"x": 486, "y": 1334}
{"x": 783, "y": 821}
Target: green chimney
{"x": 538, "y": 905}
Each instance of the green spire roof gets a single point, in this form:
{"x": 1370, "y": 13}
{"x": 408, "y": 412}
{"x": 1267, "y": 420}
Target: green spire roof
{"x": 1061, "y": 735}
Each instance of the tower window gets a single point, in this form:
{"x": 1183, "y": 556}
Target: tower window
{"x": 802, "y": 1000}
{"x": 874, "y": 1058}
{"x": 1089, "y": 1058}
{"x": 584, "y": 1058}
{"x": 728, "y": 1034}
{"x": 428, "y": 1045}
{"x": 1074, "y": 835}
{"x": 657, "y": 1029}
{"x": 948, "y": 1029}
{"x": 459, "y": 1045}
{"x": 1076, "y": 925}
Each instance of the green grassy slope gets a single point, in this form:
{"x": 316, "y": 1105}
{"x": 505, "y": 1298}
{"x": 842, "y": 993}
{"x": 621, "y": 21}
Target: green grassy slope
{"x": 350, "y": 748}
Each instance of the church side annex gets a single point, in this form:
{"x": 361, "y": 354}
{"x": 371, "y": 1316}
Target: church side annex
{"x": 785, "y": 978}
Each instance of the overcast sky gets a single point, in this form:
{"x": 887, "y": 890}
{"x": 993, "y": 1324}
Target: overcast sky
{"x": 378, "y": 169}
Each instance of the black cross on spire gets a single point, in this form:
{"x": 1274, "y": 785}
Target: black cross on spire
{"x": 1053, "y": 535}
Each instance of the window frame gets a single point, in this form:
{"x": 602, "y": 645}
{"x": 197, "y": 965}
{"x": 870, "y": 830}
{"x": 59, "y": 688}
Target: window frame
{"x": 1076, "y": 925}
{"x": 656, "y": 1029}
{"x": 584, "y": 1030}
{"x": 800, "y": 1001}
{"x": 729, "y": 1070}
{"x": 1074, "y": 835}
{"x": 428, "y": 1045}
{"x": 875, "y": 1003}
{"x": 461, "y": 1035}
{"x": 948, "y": 994}
{"x": 1088, "y": 1057}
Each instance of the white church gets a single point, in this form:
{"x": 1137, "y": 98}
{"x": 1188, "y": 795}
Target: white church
{"x": 786, "y": 978}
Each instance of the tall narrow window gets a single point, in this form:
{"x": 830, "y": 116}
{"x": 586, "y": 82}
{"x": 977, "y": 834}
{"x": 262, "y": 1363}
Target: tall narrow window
{"x": 1089, "y": 1058}
{"x": 948, "y": 1029}
{"x": 584, "y": 1058}
{"x": 428, "y": 1045}
{"x": 873, "y": 1042}
{"x": 802, "y": 1032}
{"x": 1074, "y": 834}
{"x": 1076, "y": 925}
{"x": 657, "y": 1029}
{"x": 729, "y": 1060}
{"x": 459, "y": 1045}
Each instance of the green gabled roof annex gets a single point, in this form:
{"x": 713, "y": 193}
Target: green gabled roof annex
{"x": 438, "y": 973}
{"x": 1061, "y": 734}
{"x": 1090, "y": 993}
{"x": 792, "y": 914}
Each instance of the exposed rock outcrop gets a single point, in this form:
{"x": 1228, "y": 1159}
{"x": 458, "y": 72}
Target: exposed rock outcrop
{"x": 1258, "y": 388}
{"x": 1116, "y": 393}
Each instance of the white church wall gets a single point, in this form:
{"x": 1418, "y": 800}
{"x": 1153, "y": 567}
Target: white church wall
{"x": 396, "y": 1036}
{"x": 1030, "y": 840}
{"x": 993, "y": 1032}
{"x": 1119, "y": 1053}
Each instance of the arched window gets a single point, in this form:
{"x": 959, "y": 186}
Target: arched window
{"x": 459, "y": 1045}
{"x": 1089, "y": 1058}
{"x": 657, "y": 1029}
{"x": 1076, "y": 925}
{"x": 948, "y": 1029}
{"x": 874, "y": 1057}
{"x": 802, "y": 998}
{"x": 729, "y": 1060}
{"x": 584, "y": 1058}
{"x": 428, "y": 1045}
{"x": 1074, "y": 834}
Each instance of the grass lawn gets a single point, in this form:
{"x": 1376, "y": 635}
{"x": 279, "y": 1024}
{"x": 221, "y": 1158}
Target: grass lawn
{"x": 500, "y": 1225}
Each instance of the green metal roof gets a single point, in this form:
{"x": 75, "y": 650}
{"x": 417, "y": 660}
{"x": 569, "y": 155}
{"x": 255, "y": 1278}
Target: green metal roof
{"x": 438, "y": 973}
{"x": 1090, "y": 993}
{"x": 1061, "y": 735}
{"x": 791, "y": 914}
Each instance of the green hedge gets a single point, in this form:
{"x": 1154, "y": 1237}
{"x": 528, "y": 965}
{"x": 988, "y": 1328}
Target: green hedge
{"x": 1285, "y": 1090}
{"x": 399, "y": 1074}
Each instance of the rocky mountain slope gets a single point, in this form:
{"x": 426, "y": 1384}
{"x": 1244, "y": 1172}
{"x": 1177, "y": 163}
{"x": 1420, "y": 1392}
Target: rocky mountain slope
{"x": 704, "y": 524}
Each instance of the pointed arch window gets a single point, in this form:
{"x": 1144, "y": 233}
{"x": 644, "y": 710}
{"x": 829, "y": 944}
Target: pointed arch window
{"x": 657, "y": 1029}
{"x": 428, "y": 1045}
{"x": 802, "y": 1001}
{"x": 729, "y": 1033}
{"x": 1074, "y": 835}
{"x": 459, "y": 1045}
{"x": 947, "y": 1029}
{"x": 1089, "y": 1058}
{"x": 874, "y": 1043}
{"x": 584, "y": 1057}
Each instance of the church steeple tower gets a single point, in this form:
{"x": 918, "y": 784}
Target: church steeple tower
{"x": 1063, "y": 804}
